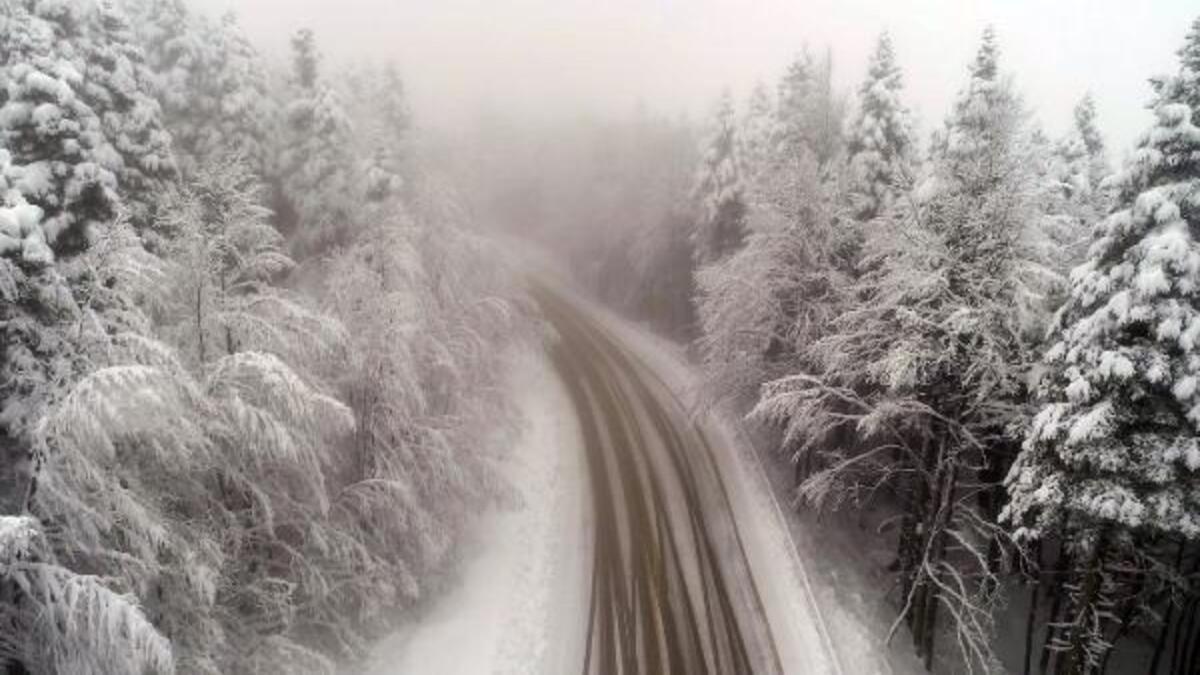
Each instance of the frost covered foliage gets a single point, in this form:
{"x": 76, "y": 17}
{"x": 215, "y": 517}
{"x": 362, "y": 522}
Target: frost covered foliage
{"x": 67, "y": 622}
{"x": 225, "y": 254}
{"x": 119, "y": 88}
{"x": 55, "y": 619}
{"x": 317, "y": 162}
{"x": 917, "y": 386}
{"x": 808, "y": 113}
{"x": 61, "y": 160}
{"x": 719, "y": 191}
{"x": 880, "y": 143}
{"x": 759, "y": 307}
{"x": 756, "y": 133}
{"x": 1113, "y": 455}
{"x": 197, "y": 488}
{"x": 211, "y": 83}
{"x": 427, "y": 316}
{"x": 1074, "y": 197}
{"x": 36, "y": 307}
{"x": 385, "y": 141}
{"x": 78, "y": 117}
{"x": 179, "y": 490}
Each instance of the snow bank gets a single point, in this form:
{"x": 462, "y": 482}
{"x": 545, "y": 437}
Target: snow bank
{"x": 520, "y": 606}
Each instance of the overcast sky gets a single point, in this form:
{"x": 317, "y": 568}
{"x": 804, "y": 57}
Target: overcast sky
{"x": 530, "y": 58}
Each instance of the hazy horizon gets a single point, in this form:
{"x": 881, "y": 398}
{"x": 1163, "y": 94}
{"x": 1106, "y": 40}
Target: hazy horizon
{"x": 538, "y": 59}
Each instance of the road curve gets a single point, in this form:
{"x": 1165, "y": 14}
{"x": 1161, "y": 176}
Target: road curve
{"x": 672, "y": 590}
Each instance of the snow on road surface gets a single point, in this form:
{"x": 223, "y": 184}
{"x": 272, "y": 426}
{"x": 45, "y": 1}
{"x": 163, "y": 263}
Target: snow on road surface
{"x": 813, "y": 595}
{"x": 520, "y": 607}
{"x": 522, "y": 603}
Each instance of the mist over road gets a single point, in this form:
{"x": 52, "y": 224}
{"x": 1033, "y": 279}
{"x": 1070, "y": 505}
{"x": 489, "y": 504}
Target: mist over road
{"x": 672, "y": 588}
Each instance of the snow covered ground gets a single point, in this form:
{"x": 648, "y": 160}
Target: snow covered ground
{"x": 520, "y": 606}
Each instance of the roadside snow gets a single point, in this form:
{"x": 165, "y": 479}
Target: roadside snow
{"x": 521, "y": 604}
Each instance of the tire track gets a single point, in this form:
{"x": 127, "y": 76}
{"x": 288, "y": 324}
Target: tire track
{"x": 672, "y": 591}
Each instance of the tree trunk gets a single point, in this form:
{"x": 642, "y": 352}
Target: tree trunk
{"x": 1062, "y": 564}
{"x": 200, "y": 324}
{"x": 923, "y": 514}
{"x": 1034, "y": 599}
{"x": 942, "y": 516}
{"x": 1183, "y": 662}
{"x": 1161, "y": 642}
{"x": 909, "y": 544}
{"x": 1077, "y": 661}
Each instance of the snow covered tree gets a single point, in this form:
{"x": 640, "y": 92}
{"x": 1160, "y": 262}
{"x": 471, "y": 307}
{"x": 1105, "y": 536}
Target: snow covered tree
{"x": 317, "y": 164}
{"x": 211, "y": 82}
{"x": 760, "y": 307}
{"x": 880, "y": 144}
{"x": 1093, "y": 142}
{"x": 119, "y": 89}
{"x": 916, "y": 387}
{"x": 719, "y": 191}
{"x": 57, "y": 621}
{"x": 808, "y": 113}
{"x": 790, "y": 135}
{"x": 147, "y": 452}
{"x": 420, "y": 382}
{"x": 247, "y": 112}
{"x": 1075, "y": 198}
{"x": 179, "y": 49}
{"x": 225, "y": 255}
{"x": 166, "y": 416}
{"x": 1113, "y": 456}
{"x": 61, "y": 159}
{"x": 756, "y": 132}
{"x": 34, "y": 354}
{"x": 387, "y": 137}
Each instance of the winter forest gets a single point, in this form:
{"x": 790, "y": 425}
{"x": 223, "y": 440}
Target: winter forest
{"x": 298, "y": 375}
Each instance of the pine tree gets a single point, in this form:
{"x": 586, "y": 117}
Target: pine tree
{"x": 1113, "y": 454}
{"x": 247, "y": 113}
{"x": 1093, "y": 142}
{"x": 55, "y": 620}
{"x": 1073, "y": 196}
{"x": 880, "y": 145}
{"x": 761, "y": 307}
{"x": 211, "y": 82}
{"x": 791, "y": 136}
{"x": 178, "y": 46}
{"x": 119, "y": 89}
{"x": 387, "y": 139}
{"x": 918, "y": 384}
{"x": 756, "y": 130}
{"x": 226, "y": 254}
{"x": 317, "y": 163}
{"x": 36, "y": 305}
{"x": 808, "y": 112}
{"x": 62, "y": 161}
{"x": 718, "y": 190}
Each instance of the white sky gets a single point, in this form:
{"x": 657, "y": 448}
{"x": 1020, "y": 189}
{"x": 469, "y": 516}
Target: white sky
{"x": 529, "y": 58}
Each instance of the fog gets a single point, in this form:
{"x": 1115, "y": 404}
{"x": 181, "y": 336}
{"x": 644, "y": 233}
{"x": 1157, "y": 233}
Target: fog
{"x": 533, "y": 59}
{"x": 433, "y": 337}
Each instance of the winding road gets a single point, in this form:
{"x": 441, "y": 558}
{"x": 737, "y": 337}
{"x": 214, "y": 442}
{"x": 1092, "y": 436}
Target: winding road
{"x": 672, "y": 588}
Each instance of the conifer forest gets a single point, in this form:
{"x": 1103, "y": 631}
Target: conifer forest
{"x": 544, "y": 337}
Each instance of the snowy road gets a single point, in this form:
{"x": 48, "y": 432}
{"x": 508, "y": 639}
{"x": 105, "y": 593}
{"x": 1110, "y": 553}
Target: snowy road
{"x": 673, "y": 586}
{"x": 647, "y": 541}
